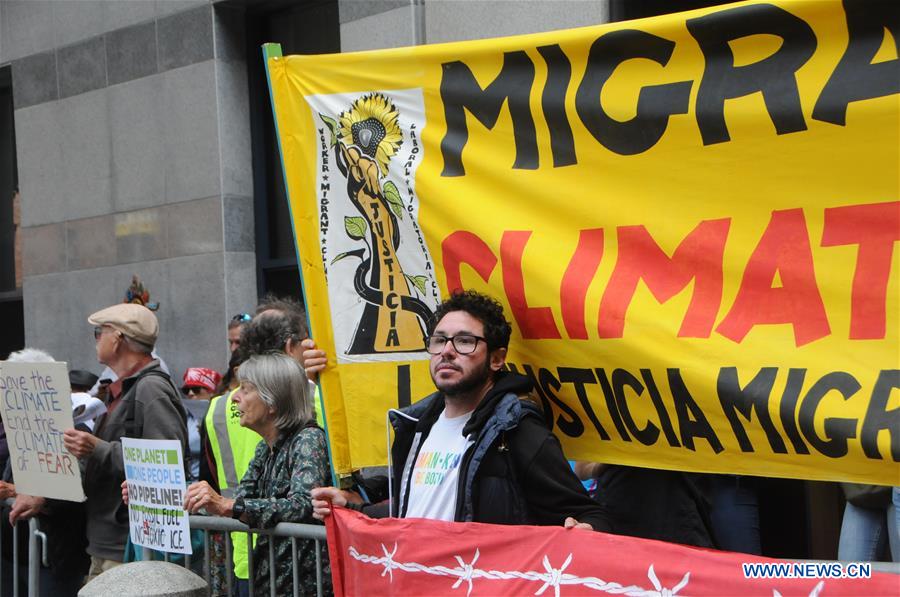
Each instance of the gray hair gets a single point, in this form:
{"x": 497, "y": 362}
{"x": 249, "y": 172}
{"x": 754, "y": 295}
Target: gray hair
{"x": 30, "y": 355}
{"x": 136, "y": 345}
{"x": 282, "y": 385}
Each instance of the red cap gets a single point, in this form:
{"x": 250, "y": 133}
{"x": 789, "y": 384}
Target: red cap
{"x": 201, "y": 377}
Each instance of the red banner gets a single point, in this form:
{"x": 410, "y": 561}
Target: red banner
{"x": 427, "y": 557}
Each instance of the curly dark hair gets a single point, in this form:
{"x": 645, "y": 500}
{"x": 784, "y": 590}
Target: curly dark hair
{"x": 292, "y": 309}
{"x": 277, "y": 320}
{"x": 485, "y": 309}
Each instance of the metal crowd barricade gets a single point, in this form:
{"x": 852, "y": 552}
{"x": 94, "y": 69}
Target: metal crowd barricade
{"x": 36, "y": 556}
{"x": 290, "y": 530}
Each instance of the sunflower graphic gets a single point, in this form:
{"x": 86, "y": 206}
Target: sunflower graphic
{"x": 371, "y": 124}
{"x": 365, "y": 137}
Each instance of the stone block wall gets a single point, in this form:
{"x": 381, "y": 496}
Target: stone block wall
{"x": 133, "y": 147}
{"x": 379, "y": 24}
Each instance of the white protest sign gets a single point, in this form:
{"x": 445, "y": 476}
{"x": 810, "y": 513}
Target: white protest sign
{"x": 154, "y": 469}
{"x": 36, "y": 406}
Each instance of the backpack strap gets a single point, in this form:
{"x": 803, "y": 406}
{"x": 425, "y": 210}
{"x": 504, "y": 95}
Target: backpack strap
{"x": 130, "y": 424}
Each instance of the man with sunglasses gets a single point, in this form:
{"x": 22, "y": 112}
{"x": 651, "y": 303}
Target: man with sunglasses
{"x": 143, "y": 403}
{"x": 478, "y": 449}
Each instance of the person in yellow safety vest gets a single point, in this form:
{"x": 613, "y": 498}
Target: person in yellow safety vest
{"x": 232, "y": 448}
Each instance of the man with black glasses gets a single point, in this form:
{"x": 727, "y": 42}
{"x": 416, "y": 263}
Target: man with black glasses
{"x": 477, "y": 450}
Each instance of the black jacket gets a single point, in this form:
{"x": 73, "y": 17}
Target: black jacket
{"x": 655, "y": 504}
{"x": 513, "y": 473}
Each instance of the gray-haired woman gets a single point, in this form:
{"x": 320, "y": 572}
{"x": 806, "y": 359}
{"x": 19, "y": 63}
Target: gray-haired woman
{"x": 274, "y": 401}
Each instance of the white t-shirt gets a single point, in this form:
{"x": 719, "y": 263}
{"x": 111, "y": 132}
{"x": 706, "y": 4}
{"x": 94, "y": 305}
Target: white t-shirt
{"x": 435, "y": 475}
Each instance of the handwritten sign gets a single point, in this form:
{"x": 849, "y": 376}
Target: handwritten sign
{"x": 154, "y": 470}
{"x": 36, "y": 406}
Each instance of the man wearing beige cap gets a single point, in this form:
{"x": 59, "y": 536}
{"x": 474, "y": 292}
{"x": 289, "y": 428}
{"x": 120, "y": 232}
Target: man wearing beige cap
{"x": 143, "y": 403}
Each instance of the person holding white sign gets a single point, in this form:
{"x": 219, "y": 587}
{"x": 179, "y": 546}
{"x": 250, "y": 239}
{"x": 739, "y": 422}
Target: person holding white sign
{"x": 61, "y": 520}
{"x": 144, "y": 404}
{"x": 275, "y": 401}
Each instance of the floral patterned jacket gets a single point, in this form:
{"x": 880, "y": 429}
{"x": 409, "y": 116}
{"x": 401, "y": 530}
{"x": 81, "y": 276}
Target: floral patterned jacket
{"x": 276, "y": 489}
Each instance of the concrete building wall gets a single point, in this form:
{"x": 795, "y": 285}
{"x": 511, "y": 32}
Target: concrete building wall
{"x": 133, "y": 147}
{"x": 30, "y": 27}
{"x": 378, "y": 24}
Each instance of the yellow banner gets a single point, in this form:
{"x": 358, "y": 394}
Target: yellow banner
{"x": 691, "y": 221}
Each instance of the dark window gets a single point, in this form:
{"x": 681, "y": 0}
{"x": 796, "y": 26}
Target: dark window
{"x": 11, "y": 314}
{"x": 9, "y": 209}
{"x": 308, "y": 28}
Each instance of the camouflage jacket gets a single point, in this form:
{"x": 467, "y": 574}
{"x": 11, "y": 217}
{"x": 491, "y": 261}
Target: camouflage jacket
{"x": 276, "y": 489}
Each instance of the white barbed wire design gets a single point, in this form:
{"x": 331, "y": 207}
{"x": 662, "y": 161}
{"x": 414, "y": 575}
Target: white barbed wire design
{"x": 550, "y": 577}
{"x": 816, "y": 590}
